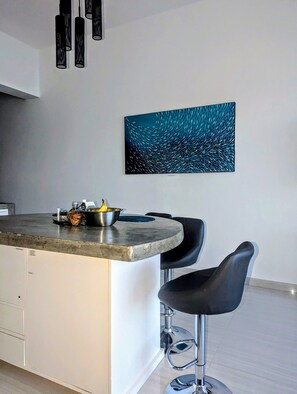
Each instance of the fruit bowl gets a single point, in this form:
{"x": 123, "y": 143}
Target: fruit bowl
{"x": 94, "y": 217}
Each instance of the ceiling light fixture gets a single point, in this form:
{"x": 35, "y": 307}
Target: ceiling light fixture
{"x": 65, "y": 10}
{"x": 96, "y": 20}
{"x": 93, "y": 10}
{"x": 79, "y": 54}
{"x": 60, "y": 42}
{"x": 88, "y": 9}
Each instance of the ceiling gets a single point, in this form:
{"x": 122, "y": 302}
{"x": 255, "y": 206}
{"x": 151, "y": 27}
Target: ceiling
{"x": 32, "y": 21}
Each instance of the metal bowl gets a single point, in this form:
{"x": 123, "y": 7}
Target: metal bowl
{"x": 102, "y": 219}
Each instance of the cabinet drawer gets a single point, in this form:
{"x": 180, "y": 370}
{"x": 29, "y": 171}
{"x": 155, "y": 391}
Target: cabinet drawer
{"x": 12, "y": 274}
{"x": 12, "y": 318}
{"x": 11, "y": 349}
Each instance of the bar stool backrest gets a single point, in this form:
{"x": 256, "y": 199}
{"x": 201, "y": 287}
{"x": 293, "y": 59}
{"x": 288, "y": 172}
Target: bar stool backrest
{"x": 187, "y": 252}
{"x": 160, "y": 215}
{"x": 224, "y": 289}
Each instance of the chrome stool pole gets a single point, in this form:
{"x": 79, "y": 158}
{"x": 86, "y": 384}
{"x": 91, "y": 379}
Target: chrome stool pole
{"x": 170, "y": 334}
{"x": 168, "y": 312}
{"x": 197, "y": 383}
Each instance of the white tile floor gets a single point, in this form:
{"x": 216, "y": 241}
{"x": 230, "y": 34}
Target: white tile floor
{"x": 252, "y": 350}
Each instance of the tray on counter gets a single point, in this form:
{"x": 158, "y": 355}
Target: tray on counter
{"x": 135, "y": 218}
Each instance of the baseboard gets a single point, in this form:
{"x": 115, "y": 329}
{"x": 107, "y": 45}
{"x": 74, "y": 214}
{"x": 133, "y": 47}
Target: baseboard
{"x": 269, "y": 284}
{"x": 61, "y": 383}
{"x": 146, "y": 373}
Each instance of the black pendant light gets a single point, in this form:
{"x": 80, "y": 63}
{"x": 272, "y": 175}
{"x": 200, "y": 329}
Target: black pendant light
{"x": 60, "y": 42}
{"x": 79, "y": 40}
{"x": 88, "y": 9}
{"x": 93, "y": 10}
{"x": 96, "y": 20}
{"x": 65, "y": 10}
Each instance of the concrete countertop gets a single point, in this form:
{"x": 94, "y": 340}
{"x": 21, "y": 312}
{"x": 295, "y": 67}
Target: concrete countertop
{"x": 125, "y": 241}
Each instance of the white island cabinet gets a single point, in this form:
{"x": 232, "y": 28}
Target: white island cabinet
{"x": 90, "y": 324}
{"x": 79, "y": 305}
{"x": 67, "y": 319}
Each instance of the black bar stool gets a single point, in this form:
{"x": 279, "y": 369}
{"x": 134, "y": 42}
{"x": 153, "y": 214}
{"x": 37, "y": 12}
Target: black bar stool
{"x": 206, "y": 292}
{"x": 184, "y": 255}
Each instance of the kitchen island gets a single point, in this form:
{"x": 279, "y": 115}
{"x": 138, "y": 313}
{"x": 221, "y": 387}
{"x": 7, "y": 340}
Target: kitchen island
{"x": 79, "y": 305}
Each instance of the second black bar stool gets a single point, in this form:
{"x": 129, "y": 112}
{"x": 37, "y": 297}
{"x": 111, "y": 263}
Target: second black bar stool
{"x": 183, "y": 255}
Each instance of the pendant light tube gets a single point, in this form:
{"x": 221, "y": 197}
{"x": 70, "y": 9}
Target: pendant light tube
{"x": 88, "y": 9}
{"x": 65, "y": 10}
{"x": 96, "y": 20}
{"x": 79, "y": 40}
{"x": 60, "y": 42}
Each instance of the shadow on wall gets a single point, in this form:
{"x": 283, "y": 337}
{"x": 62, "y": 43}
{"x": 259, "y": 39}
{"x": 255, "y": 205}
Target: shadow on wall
{"x": 121, "y": 14}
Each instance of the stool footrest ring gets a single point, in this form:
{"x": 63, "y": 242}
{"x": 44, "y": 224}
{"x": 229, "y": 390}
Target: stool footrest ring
{"x": 169, "y": 351}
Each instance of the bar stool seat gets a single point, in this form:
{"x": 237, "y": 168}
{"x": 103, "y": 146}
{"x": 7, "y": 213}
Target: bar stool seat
{"x": 206, "y": 292}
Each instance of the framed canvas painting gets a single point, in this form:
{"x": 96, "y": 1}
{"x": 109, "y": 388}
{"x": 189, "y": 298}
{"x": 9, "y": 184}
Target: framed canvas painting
{"x": 190, "y": 140}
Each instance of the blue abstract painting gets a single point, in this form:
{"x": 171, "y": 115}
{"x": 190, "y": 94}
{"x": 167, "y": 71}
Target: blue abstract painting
{"x": 191, "y": 140}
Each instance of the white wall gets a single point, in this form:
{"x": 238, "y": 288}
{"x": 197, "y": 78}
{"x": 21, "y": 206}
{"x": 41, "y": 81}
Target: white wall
{"x": 19, "y": 68}
{"x": 70, "y": 144}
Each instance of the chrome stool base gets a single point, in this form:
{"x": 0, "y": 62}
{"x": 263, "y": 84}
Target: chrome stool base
{"x": 185, "y": 385}
{"x": 177, "y": 334}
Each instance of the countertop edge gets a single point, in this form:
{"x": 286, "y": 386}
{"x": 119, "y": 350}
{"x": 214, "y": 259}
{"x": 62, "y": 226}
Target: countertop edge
{"x": 91, "y": 249}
